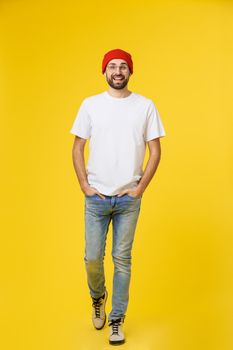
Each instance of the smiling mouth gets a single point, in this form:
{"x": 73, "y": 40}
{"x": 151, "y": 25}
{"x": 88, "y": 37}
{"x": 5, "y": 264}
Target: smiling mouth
{"x": 118, "y": 79}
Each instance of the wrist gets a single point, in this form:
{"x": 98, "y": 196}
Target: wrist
{"x": 84, "y": 186}
{"x": 141, "y": 187}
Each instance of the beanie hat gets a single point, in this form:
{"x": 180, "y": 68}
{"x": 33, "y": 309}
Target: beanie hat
{"x": 117, "y": 53}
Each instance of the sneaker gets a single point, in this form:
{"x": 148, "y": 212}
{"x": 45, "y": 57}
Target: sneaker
{"x": 116, "y": 332}
{"x": 98, "y": 311}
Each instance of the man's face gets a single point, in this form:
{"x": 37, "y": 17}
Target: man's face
{"x": 117, "y": 73}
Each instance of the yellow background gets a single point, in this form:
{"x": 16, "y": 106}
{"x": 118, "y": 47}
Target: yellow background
{"x": 181, "y": 288}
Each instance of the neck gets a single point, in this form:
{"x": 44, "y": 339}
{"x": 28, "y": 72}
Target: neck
{"x": 119, "y": 93}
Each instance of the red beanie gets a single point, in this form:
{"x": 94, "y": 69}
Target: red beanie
{"x": 117, "y": 53}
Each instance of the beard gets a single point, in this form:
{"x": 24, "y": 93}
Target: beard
{"x": 118, "y": 85}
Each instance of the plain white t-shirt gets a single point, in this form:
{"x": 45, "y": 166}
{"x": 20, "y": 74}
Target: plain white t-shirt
{"x": 118, "y": 129}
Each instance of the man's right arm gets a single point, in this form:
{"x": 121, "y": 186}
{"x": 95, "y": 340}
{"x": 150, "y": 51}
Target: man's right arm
{"x": 79, "y": 162}
{"x": 79, "y": 166}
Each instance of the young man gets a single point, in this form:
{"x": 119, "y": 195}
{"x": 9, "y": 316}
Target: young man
{"x": 119, "y": 124}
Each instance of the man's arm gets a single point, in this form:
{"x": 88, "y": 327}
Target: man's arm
{"x": 79, "y": 166}
{"x": 79, "y": 162}
{"x": 151, "y": 166}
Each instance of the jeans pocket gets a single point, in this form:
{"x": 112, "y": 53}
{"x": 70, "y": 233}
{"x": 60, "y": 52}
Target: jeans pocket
{"x": 133, "y": 197}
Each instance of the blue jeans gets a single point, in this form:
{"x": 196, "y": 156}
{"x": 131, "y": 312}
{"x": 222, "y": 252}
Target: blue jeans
{"x": 124, "y": 212}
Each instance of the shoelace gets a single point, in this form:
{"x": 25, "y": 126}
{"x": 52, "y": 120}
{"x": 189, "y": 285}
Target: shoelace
{"x": 115, "y": 324}
{"x": 96, "y": 304}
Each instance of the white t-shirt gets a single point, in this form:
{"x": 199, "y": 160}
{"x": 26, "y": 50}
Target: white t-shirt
{"x": 118, "y": 129}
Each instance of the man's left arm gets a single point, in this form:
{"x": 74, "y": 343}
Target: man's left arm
{"x": 150, "y": 169}
{"x": 151, "y": 166}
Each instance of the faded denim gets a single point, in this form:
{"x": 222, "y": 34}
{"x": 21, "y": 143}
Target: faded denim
{"x": 124, "y": 212}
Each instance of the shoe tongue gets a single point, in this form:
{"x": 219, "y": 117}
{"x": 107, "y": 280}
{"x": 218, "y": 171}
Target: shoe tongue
{"x": 116, "y": 321}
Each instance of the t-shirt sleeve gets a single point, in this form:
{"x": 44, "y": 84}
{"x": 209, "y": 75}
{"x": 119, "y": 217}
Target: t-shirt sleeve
{"x": 154, "y": 126}
{"x": 82, "y": 123}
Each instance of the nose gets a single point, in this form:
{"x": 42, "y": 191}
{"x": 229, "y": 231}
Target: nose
{"x": 118, "y": 70}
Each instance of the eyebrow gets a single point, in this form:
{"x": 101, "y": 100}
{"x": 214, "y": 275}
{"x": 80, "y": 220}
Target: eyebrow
{"x": 123, "y": 63}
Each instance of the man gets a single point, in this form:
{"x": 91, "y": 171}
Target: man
{"x": 119, "y": 124}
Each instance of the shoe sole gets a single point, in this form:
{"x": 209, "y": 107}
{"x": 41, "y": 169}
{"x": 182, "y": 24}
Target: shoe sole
{"x": 117, "y": 342}
{"x": 98, "y": 329}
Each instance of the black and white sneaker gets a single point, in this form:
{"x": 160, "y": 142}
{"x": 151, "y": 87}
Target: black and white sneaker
{"x": 116, "y": 336}
{"x": 98, "y": 311}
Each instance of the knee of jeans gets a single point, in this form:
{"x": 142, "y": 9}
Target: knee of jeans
{"x": 123, "y": 260}
{"x": 93, "y": 260}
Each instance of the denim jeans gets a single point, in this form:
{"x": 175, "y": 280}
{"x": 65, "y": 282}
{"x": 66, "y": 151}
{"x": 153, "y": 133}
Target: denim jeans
{"x": 124, "y": 212}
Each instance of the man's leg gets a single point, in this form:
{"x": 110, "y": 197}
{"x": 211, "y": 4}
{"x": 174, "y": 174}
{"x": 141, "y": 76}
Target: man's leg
{"x": 97, "y": 219}
{"x": 124, "y": 219}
